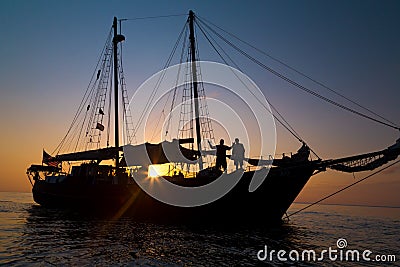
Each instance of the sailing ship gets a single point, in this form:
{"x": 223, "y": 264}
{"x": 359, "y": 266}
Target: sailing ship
{"x": 80, "y": 179}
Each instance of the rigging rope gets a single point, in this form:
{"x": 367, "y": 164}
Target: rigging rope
{"x": 85, "y": 98}
{"x": 153, "y": 93}
{"x": 344, "y": 188}
{"x": 109, "y": 109}
{"x": 176, "y": 83}
{"x": 286, "y": 125}
{"x": 154, "y": 17}
{"x": 301, "y": 73}
{"x": 290, "y": 81}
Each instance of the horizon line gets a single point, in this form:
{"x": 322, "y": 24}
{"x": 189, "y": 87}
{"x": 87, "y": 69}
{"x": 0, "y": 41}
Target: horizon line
{"x": 352, "y": 205}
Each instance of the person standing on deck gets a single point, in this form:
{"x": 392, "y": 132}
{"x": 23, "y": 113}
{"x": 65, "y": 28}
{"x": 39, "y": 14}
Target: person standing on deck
{"x": 238, "y": 154}
{"x": 221, "y": 154}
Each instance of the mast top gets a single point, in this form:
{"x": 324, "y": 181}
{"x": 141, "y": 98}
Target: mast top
{"x": 117, "y": 37}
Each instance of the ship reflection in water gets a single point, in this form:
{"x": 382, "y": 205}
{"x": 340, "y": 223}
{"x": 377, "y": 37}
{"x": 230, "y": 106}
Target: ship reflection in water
{"x": 31, "y": 234}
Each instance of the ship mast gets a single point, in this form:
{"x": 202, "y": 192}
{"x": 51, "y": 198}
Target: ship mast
{"x": 194, "y": 83}
{"x": 117, "y": 38}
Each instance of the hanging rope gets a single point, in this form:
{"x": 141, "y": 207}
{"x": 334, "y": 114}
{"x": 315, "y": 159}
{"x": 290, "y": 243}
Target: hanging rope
{"x": 281, "y": 76}
{"x": 344, "y": 188}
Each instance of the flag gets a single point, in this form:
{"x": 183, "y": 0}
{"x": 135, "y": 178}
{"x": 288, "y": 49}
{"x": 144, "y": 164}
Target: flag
{"x": 100, "y": 126}
{"x": 49, "y": 160}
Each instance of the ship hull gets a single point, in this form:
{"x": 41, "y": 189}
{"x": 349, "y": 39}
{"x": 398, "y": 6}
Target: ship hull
{"x": 266, "y": 205}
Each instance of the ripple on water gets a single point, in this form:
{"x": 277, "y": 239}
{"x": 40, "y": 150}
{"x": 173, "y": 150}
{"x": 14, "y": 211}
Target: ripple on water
{"x": 34, "y": 235}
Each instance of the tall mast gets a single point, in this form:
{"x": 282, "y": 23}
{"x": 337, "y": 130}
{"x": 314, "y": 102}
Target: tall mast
{"x": 194, "y": 81}
{"x": 117, "y": 38}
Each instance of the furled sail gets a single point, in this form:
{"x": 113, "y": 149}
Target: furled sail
{"x": 364, "y": 162}
{"x": 97, "y": 154}
{"x": 164, "y": 152}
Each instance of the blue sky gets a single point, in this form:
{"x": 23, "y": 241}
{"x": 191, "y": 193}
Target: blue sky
{"x": 49, "y": 49}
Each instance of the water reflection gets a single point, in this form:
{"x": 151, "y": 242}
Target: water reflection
{"x": 55, "y": 237}
{"x": 30, "y": 234}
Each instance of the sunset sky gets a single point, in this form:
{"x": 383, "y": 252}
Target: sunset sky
{"x": 49, "y": 49}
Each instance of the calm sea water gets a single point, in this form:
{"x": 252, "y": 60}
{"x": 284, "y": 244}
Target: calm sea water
{"x": 32, "y": 235}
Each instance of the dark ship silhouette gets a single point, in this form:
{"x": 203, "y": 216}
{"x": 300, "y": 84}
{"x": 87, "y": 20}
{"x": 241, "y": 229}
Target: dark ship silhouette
{"x": 92, "y": 186}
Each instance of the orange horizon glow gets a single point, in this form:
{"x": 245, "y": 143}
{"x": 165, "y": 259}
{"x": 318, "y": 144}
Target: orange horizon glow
{"x": 46, "y": 68}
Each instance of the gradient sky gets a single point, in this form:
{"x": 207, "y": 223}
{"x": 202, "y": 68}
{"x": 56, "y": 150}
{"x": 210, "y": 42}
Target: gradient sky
{"x": 49, "y": 49}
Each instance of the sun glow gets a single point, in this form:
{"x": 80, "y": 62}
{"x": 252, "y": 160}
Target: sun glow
{"x": 152, "y": 171}
{"x": 157, "y": 170}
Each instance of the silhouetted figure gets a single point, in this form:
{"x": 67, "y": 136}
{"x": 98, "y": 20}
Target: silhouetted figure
{"x": 221, "y": 154}
{"x": 238, "y": 154}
